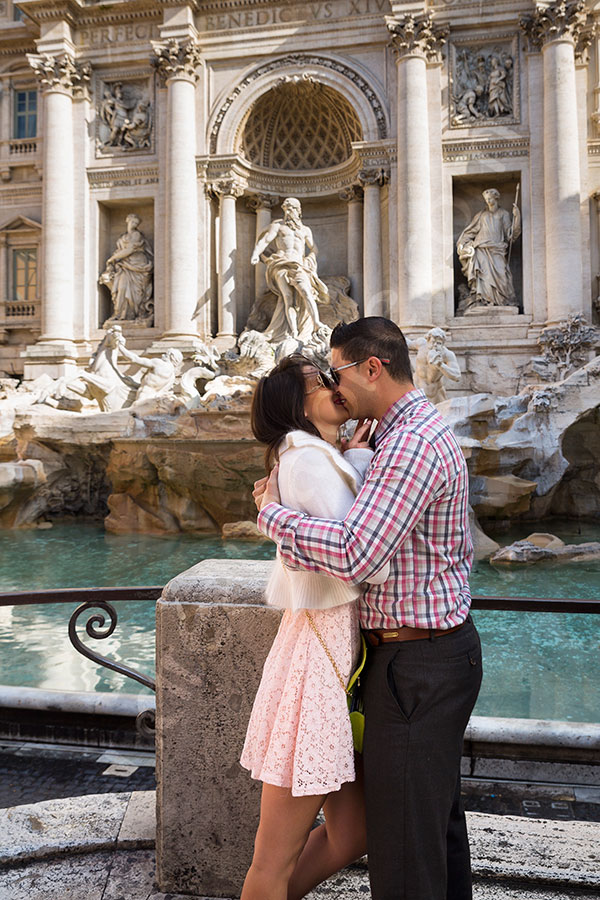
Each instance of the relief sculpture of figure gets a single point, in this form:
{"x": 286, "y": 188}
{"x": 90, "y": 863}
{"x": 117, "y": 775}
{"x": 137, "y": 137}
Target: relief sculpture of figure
{"x": 292, "y": 276}
{"x": 483, "y": 253}
{"x": 434, "y": 362}
{"x": 128, "y": 274}
{"x": 498, "y": 100}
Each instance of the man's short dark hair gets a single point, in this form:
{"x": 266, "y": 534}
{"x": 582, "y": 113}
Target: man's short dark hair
{"x": 374, "y": 336}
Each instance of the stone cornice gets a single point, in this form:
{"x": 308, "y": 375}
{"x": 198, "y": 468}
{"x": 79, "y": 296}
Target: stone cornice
{"x": 416, "y": 36}
{"x": 561, "y": 20}
{"x": 60, "y": 73}
{"x": 79, "y": 12}
{"x": 175, "y": 58}
{"x": 484, "y": 148}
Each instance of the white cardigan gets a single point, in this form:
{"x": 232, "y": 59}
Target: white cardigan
{"x": 316, "y": 479}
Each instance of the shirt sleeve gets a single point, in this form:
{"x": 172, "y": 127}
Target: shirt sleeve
{"x": 406, "y": 478}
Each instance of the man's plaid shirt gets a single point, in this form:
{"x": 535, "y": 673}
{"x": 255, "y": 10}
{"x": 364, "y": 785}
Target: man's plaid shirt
{"x": 412, "y": 512}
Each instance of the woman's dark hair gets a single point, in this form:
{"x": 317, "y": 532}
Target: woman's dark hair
{"x": 278, "y": 405}
{"x": 374, "y": 336}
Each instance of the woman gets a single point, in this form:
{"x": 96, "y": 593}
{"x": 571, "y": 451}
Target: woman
{"x": 299, "y": 741}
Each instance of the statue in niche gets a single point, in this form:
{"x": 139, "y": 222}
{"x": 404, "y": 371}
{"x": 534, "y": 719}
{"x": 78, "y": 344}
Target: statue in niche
{"x": 292, "y": 276}
{"x": 482, "y": 86}
{"x": 125, "y": 118}
{"x": 128, "y": 275}
{"x": 484, "y": 252}
{"x": 434, "y": 362}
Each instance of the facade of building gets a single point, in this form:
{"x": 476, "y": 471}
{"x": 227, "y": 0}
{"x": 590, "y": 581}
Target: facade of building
{"x": 145, "y": 144}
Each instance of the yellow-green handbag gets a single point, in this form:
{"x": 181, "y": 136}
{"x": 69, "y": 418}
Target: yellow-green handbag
{"x": 352, "y": 689}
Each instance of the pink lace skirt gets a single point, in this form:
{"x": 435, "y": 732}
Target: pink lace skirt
{"x": 299, "y": 733}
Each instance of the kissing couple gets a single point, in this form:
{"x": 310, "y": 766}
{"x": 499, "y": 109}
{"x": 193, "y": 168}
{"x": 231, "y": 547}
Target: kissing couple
{"x": 373, "y": 549}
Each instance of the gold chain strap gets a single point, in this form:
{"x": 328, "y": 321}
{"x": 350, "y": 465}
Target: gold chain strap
{"x": 326, "y": 649}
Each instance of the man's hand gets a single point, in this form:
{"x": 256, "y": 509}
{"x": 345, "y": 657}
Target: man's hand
{"x": 266, "y": 490}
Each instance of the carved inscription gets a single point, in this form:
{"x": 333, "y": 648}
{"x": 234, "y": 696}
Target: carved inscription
{"x": 317, "y": 11}
{"x": 116, "y": 34}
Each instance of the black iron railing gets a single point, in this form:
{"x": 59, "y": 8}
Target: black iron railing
{"x": 99, "y": 602}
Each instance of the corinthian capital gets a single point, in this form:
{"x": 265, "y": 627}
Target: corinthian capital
{"x": 174, "y": 58}
{"x": 60, "y": 73}
{"x": 563, "y": 19}
{"x": 226, "y": 187}
{"x": 416, "y": 36}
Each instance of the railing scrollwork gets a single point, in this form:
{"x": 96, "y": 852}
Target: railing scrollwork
{"x": 99, "y": 629}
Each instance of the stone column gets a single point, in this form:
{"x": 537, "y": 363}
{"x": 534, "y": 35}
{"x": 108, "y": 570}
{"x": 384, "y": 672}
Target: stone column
{"x": 228, "y": 192}
{"x": 262, "y": 204}
{"x": 60, "y": 78}
{"x": 557, "y": 30}
{"x": 371, "y": 181}
{"x": 176, "y": 61}
{"x": 416, "y": 43}
{"x": 353, "y": 197}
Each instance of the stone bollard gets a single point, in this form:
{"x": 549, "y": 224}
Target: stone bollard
{"x": 213, "y": 634}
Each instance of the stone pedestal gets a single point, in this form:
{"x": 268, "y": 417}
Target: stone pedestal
{"x": 213, "y": 635}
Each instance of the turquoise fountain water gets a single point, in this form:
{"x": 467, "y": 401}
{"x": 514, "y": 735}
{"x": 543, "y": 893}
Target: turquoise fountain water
{"x": 538, "y": 665}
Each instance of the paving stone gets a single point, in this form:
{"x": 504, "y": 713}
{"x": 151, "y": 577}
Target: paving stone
{"x": 31, "y": 779}
{"x": 139, "y": 823}
{"x": 59, "y": 826}
{"x": 77, "y": 877}
{"x": 537, "y": 849}
{"x": 132, "y": 876}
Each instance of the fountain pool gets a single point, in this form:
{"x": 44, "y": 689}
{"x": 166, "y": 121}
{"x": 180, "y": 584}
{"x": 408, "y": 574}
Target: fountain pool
{"x": 537, "y": 665}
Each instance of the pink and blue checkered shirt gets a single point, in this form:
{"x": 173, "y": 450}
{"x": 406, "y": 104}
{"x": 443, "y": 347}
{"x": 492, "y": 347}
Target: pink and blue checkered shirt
{"x": 412, "y": 512}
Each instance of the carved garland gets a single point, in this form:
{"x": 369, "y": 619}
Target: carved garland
{"x": 302, "y": 60}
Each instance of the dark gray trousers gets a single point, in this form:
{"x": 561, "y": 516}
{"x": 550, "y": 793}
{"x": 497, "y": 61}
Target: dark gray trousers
{"x": 418, "y": 697}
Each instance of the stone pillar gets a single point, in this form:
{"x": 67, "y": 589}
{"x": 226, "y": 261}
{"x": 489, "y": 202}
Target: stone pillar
{"x": 416, "y": 43}
{"x": 60, "y": 78}
{"x": 557, "y": 30}
{"x": 228, "y": 192}
{"x": 371, "y": 181}
{"x": 262, "y": 204}
{"x": 176, "y": 61}
{"x": 354, "y": 196}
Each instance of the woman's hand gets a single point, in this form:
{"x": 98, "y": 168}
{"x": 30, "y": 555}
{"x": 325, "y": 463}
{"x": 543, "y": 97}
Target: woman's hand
{"x": 360, "y": 438}
{"x": 266, "y": 490}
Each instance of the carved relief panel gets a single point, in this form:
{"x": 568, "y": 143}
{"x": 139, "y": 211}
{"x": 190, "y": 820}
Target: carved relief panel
{"x": 484, "y": 81}
{"x": 124, "y": 114}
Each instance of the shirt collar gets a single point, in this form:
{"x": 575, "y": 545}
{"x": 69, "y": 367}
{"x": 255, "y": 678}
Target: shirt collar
{"x": 399, "y": 412}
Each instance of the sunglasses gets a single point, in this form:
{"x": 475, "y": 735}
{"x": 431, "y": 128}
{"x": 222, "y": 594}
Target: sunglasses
{"x": 333, "y": 373}
{"x": 322, "y": 382}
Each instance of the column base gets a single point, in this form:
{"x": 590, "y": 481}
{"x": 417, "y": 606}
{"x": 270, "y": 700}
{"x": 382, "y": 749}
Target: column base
{"x": 53, "y": 358}
{"x": 225, "y": 340}
{"x": 188, "y": 344}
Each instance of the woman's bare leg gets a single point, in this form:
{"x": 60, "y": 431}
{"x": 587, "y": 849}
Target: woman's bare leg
{"x": 337, "y": 843}
{"x": 284, "y": 826}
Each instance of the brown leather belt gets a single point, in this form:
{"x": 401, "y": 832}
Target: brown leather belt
{"x": 377, "y": 636}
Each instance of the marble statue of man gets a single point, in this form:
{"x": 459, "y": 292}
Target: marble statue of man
{"x": 483, "y": 252}
{"x": 292, "y": 275}
{"x": 434, "y": 362}
{"x": 159, "y": 373}
{"x": 128, "y": 274}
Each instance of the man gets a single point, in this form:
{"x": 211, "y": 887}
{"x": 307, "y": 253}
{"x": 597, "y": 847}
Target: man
{"x": 434, "y": 361}
{"x": 424, "y": 672}
{"x": 483, "y": 253}
{"x": 291, "y": 275}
